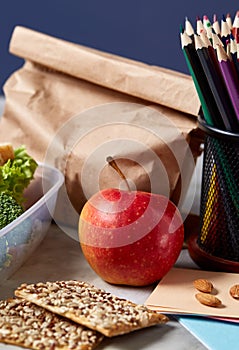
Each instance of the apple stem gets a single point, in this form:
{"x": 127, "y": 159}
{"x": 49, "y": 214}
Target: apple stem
{"x": 115, "y": 166}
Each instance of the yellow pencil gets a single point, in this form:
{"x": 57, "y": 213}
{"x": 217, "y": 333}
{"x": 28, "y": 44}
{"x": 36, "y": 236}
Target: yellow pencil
{"x": 210, "y": 204}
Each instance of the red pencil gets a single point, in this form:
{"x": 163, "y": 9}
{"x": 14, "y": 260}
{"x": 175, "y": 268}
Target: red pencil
{"x": 200, "y": 27}
{"x": 235, "y": 27}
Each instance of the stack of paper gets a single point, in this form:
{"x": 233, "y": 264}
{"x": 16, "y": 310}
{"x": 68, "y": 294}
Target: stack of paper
{"x": 216, "y": 327}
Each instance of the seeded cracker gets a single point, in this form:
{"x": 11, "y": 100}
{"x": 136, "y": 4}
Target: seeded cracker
{"x": 27, "y": 325}
{"x": 90, "y": 306}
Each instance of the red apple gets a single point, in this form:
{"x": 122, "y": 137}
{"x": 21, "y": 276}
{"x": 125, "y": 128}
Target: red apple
{"x": 130, "y": 237}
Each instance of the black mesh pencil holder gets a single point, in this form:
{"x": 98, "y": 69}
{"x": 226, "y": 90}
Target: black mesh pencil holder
{"x": 216, "y": 245}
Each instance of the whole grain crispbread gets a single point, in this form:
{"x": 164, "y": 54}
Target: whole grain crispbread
{"x": 90, "y": 306}
{"x": 25, "y": 324}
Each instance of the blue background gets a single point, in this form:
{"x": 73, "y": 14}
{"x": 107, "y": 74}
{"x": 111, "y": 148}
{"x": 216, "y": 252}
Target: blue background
{"x": 145, "y": 30}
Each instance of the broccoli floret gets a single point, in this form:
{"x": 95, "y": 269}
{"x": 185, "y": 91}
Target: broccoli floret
{"x": 10, "y": 209}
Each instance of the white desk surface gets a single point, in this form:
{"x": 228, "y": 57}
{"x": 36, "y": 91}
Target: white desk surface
{"x": 60, "y": 257}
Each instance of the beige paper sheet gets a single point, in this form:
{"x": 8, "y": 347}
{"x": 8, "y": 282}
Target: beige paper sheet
{"x": 175, "y": 293}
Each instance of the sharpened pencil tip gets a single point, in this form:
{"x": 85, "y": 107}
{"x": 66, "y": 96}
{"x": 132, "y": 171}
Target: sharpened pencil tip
{"x": 214, "y": 18}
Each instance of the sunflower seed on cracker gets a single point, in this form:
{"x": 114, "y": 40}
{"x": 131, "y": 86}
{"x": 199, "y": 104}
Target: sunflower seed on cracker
{"x": 91, "y": 306}
{"x": 28, "y": 325}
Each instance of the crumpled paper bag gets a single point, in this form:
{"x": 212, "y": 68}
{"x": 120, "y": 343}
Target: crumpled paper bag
{"x": 72, "y": 106}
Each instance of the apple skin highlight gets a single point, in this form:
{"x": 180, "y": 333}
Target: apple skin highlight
{"x": 130, "y": 237}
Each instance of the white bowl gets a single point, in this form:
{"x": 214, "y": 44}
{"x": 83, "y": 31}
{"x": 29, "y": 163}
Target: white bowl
{"x": 20, "y": 238}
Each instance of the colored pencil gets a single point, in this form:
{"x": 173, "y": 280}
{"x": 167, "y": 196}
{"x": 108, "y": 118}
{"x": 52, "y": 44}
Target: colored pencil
{"x": 230, "y": 78}
{"x": 206, "y": 22}
{"x": 232, "y": 51}
{"x": 209, "y": 106}
{"x": 215, "y": 72}
{"x": 208, "y": 27}
{"x": 210, "y": 56}
{"x": 217, "y": 86}
{"x": 199, "y": 26}
{"x": 216, "y": 40}
{"x": 235, "y": 27}
{"x": 225, "y": 31}
{"x": 220, "y": 93}
{"x": 212, "y": 53}
{"x": 235, "y": 21}
{"x": 211, "y": 206}
{"x": 205, "y": 39}
{"x": 229, "y": 20}
{"x": 188, "y": 27}
{"x": 216, "y": 25}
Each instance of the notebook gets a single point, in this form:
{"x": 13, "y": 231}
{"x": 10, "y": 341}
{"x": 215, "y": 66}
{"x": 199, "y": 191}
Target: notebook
{"x": 214, "y": 334}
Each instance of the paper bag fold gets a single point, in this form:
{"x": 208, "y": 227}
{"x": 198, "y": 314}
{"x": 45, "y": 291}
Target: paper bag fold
{"x": 158, "y": 85}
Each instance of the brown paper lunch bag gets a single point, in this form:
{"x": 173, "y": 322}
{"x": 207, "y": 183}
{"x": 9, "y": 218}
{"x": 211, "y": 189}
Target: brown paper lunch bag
{"x": 72, "y": 106}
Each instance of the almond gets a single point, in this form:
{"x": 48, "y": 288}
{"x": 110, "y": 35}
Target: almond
{"x": 234, "y": 291}
{"x": 208, "y": 299}
{"x": 203, "y": 285}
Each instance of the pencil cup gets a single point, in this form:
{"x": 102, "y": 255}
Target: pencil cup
{"x": 216, "y": 245}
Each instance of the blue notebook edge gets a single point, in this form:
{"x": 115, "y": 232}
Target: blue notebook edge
{"x": 213, "y": 334}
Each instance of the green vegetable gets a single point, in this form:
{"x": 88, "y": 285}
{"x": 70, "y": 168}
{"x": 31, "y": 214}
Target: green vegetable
{"x": 10, "y": 209}
{"x": 16, "y": 174}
